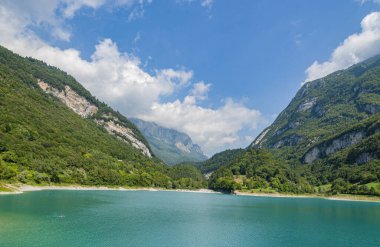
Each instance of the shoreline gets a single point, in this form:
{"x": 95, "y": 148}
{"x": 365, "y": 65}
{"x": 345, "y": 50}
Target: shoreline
{"x": 341, "y": 197}
{"x": 19, "y": 189}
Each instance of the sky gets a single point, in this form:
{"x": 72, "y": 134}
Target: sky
{"x": 218, "y": 70}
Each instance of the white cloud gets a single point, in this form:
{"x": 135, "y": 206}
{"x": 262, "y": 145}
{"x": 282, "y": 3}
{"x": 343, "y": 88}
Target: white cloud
{"x": 120, "y": 80}
{"x": 34, "y": 14}
{"x": 200, "y": 90}
{"x": 61, "y": 34}
{"x": 213, "y": 129}
{"x": 207, "y": 3}
{"x": 45, "y": 14}
{"x": 52, "y": 14}
{"x": 355, "y": 48}
{"x": 72, "y": 6}
{"x": 178, "y": 78}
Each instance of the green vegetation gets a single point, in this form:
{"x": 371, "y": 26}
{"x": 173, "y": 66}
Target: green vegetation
{"x": 187, "y": 176}
{"x": 259, "y": 169}
{"x": 326, "y": 141}
{"x": 5, "y": 189}
{"x": 42, "y": 141}
{"x": 28, "y": 70}
{"x": 219, "y": 160}
{"x": 325, "y": 107}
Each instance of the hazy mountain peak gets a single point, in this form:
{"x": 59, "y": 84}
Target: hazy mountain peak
{"x": 170, "y": 145}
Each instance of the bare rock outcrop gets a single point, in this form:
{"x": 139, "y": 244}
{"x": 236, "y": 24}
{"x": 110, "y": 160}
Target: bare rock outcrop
{"x": 307, "y": 104}
{"x": 333, "y": 146}
{"x": 84, "y": 108}
{"x": 125, "y": 134}
{"x": 71, "y": 99}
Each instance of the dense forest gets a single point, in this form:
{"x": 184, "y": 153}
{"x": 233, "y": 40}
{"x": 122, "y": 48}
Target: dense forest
{"x": 220, "y": 159}
{"x": 43, "y": 141}
{"x": 259, "y": 170}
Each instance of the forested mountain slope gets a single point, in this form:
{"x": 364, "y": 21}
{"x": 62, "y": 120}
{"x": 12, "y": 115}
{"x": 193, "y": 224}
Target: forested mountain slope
{"x": 220, "y": 159}
{"x": 53, "y": 130}
{"x": 327, "y": 139}
{"x": 324, "y": 108}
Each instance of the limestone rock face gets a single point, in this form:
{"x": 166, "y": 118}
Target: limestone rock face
{"x": 121, "y": 131}
{"x": 307, "y": 104}
{"x": 84, "y": 108}
{"x": 333, "y": 146}
{"x": 71, "y": 99}
{"x": 258, "y": 140}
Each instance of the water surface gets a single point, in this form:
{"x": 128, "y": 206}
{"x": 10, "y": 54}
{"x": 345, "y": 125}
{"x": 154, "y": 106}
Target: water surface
{"x": 144, "y": 218}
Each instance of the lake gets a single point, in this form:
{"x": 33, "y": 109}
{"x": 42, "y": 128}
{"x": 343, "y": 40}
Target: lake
{"x": 145, "y": 218}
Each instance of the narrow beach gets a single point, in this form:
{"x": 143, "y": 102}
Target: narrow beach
{"x": 18, "y": 189}
{"x": 335, "y": 197}
{"x": 21, "y": 188}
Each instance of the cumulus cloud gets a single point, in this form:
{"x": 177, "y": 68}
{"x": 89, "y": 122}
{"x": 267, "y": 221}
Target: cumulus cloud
{"x": 212, "y": 128}
{"x": 35, "y": 13}
{"x": 72, "y": 6}
{"x": 200, "y": 90}
{"x": 178, "y": 78}
{"x": 52, "y": 14}
{"x": 120, "y": 80}
{"x": 355, "y": 48}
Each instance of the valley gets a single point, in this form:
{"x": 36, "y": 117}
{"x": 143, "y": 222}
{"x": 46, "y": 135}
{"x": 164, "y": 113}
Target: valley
{"x": 319, "y": 145}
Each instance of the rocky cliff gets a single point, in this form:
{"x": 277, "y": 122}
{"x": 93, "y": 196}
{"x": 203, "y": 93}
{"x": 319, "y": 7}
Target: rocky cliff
{"x": 84, "y": 108}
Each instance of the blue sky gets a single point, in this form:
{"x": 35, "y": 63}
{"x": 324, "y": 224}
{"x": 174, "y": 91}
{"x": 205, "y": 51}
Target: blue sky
{"x": 256, "y": 51}
{"x": 187, "y": 64}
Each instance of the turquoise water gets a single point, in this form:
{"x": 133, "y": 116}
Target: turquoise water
{"x": 143, "y": 218}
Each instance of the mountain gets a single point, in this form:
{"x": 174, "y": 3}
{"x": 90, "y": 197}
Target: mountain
{"x": 171, "y": 146}
{"x": 220, "y": 159}
{"x": 52, "y": 130}
{"x": 326, "y": 139}
{"x": 322, "y": 117}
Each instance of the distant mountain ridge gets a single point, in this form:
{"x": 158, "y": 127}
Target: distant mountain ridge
{"x": 170, "y": 145}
